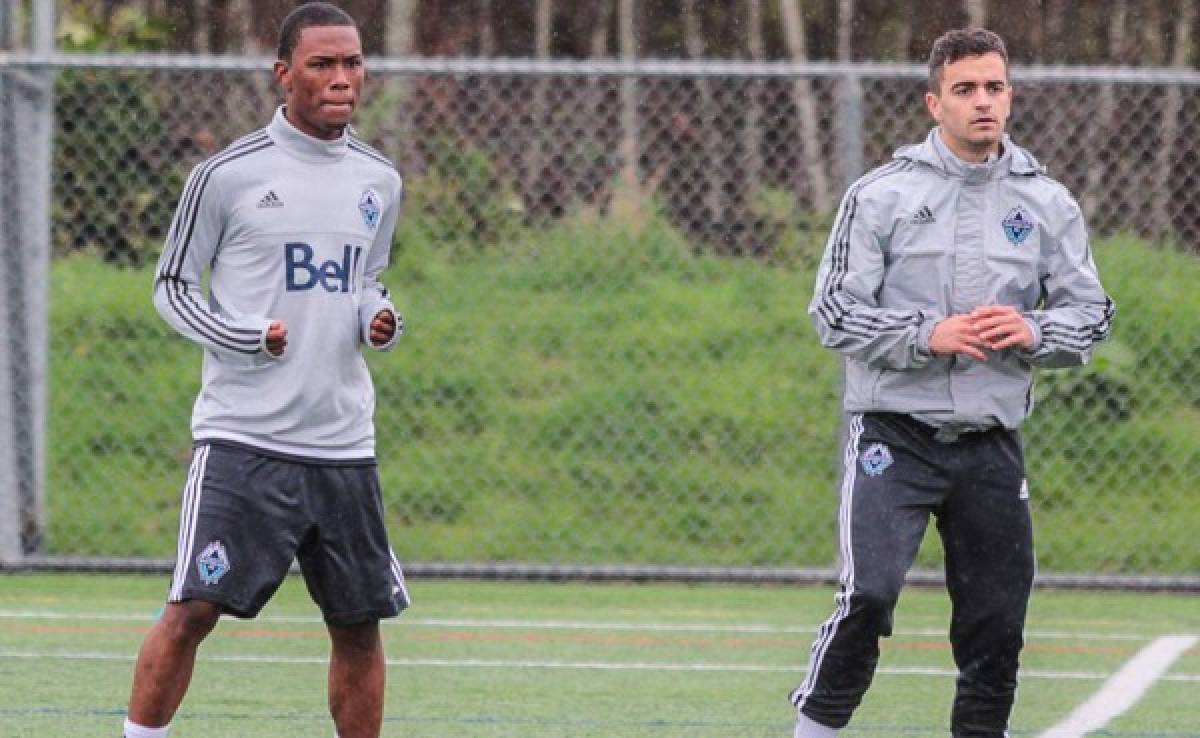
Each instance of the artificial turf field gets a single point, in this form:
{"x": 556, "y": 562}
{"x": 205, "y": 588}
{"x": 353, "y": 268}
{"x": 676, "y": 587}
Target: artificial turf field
{"x": 546, "y": 659}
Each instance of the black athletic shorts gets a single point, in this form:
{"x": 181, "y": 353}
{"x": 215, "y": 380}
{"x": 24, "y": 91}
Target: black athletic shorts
{"x": 247, "y": 514}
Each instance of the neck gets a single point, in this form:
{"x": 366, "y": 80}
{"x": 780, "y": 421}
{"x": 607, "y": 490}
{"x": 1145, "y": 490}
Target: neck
{"x": 303, "y": 144}
{"x": 325, "y": 134}
{"x": 968, "y": 153}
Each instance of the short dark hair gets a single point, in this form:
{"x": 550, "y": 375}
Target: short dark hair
{"x": 959, "y": 44}
{"x": 307, "y": 16}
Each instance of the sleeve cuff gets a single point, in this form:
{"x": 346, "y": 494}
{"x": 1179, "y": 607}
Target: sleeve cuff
{"x": 924, "y": 332}
{"x": 1036, "y": 330}
{"x": 264, "y": 356}
{"x": 366, "y": 319}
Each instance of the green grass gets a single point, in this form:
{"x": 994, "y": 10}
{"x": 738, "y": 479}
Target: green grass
{"x": 600, "y": 393}
{"x": 65, "y": 664}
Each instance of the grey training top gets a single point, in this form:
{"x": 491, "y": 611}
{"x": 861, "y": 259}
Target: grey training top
{"x": 290, "y": 228}
{"x": 928, "y": 236}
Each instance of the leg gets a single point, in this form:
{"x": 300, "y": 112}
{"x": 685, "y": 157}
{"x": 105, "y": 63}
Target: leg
{"x": 352, "y": 575}
{"x": 988, "y": 538}
{"x": 885, "y": 508}
{"x": 225, "y": 563}
{"x": 165, "y": 661}
{"x": 357, "y": 672}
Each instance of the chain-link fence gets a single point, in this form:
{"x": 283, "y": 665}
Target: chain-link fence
{"x": 604, "y": 269}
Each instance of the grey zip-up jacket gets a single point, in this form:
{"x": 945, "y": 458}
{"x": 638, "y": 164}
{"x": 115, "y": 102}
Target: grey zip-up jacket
{"x": 927, "y": 236}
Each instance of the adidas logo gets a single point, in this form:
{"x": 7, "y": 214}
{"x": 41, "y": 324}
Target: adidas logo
{"x": 270, "y": 200}
{"x": 923, "y": 216}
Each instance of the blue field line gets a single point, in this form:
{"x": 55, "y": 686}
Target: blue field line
{"x": 765, "y": 725}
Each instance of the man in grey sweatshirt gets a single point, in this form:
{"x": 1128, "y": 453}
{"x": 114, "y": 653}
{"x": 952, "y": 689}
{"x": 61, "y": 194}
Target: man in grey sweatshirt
{"x": 950, "y": 273}
{"x": 293, "y": 226}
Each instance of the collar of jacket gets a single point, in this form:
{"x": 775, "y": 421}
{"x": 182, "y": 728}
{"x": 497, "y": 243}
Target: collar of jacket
{"x": 933, "y": 152}
{"x": 304, "y": 146}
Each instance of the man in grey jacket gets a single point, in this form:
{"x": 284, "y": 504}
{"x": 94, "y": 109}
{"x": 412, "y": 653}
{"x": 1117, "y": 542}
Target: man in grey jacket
{"x": 950, "y": 273}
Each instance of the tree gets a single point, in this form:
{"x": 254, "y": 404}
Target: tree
{"x": 710, "y": 170}
{"x": 444, "y": 27}
{"x": 751, "y": 133}
{"x": 542, "y": 129}
{"x": 976, "y": 12}
{"x": 904, "y": 30}
{"x": 220, "y": 26}
{"x": 375, "y": 20}
{"x": 487, "y": 29}
{"x": 183, "y": 18}
{"x": 627, "y": 35}
{"x": 806, "y": 109}
{"x": 1172, "y": 106}
{"x": 399, "y": 35}
{"x": 1055, "y": 23}
{"x": 598, "y": 41}
{"x": 1101, "y": 123}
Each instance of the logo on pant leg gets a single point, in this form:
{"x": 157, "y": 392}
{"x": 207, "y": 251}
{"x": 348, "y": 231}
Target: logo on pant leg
{"x": 875, "y": 459}
{"x": 212, "y": 563}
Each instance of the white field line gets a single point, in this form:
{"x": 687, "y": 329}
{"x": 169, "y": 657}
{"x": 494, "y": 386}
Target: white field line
{"x": 807, "y": 630}
{"x": 1124, "y": 688}
{"x": 551, "y": 664}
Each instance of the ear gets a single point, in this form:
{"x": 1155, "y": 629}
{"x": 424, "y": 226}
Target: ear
{"x": 283, "y": 74}
{"x": 934, "y": 104}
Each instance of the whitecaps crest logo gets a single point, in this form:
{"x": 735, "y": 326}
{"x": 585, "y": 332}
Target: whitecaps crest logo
{"x": 212, "y": 563}
{"x": 1017, "y": 225}
{"x": 876, "y": 459}
{"x": 368, "y": 205}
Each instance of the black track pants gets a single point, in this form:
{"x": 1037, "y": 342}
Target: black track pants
{"x": 896, "y": 474}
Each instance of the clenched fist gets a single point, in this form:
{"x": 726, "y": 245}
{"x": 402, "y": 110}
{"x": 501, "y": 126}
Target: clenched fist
{"x": 383, "y": 327}
{"x": 276, "y": 338}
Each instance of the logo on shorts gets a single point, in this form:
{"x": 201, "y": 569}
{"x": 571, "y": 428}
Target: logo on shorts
{"x": 875, "y": 459}
{"x": 368, "y": 205}
{"x": 1017, "y": 225}
{"x": 212, "y": 563}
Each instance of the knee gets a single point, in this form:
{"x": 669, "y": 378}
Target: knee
{"x": 189, "y": 621}
{"x": 361, "y": 638}
{"x": 875, "y": 605}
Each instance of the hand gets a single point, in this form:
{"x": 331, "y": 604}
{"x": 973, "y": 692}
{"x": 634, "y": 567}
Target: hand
{"x": 276, "y": 338}
{"x": 958, "y": 334}
{"x": 1001, "y": 327}
{"x": 383, "y": 327}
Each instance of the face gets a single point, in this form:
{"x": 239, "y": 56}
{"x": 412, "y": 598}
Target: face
{"x": 972, "y": 105}
{"x": 323, "y": 79}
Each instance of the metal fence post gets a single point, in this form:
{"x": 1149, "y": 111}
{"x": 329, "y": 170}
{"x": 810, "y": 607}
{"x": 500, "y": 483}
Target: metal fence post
{"x": 36, "y": 231}
{"x": 10, "y": 508}
{"x": 29, "y": 120}
{"x": 7, "y": 34}
{"x": 34, "y": 115}
{"x": 10, "y": 536}
{"x": 853, "y": 154}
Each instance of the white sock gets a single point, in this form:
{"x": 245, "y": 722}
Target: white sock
{"x": 806, "y": 727}
{"x": 133, "y": 730}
